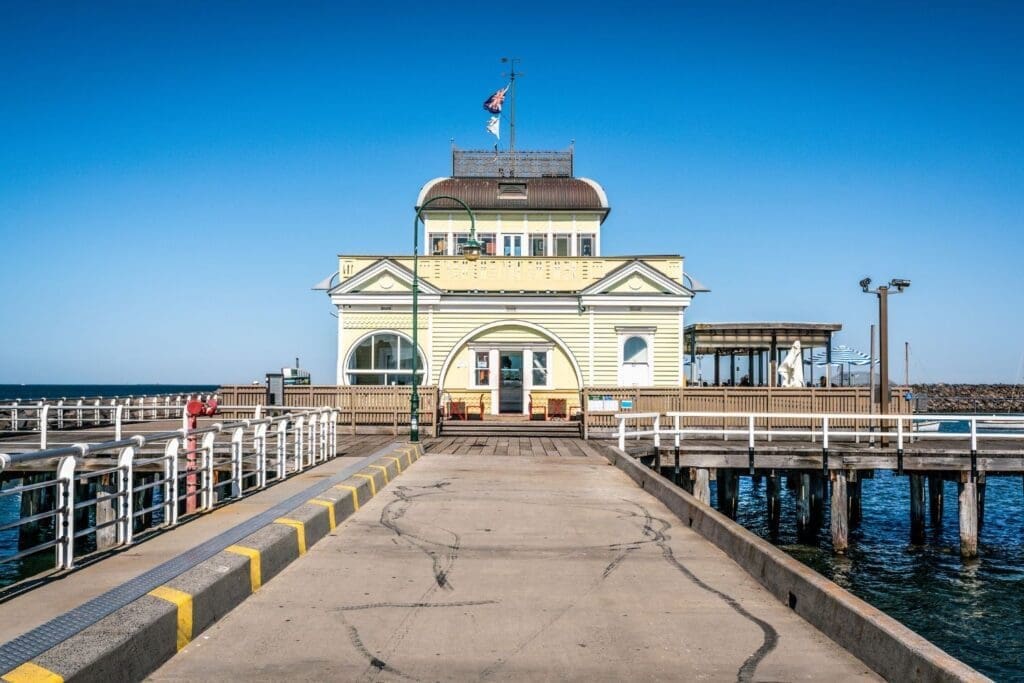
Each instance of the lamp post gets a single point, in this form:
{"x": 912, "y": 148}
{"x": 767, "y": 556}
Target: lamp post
{"x": 471, "y": 250}
{"x": 882, "y": 292}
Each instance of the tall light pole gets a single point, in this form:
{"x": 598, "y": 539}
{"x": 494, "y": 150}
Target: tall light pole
{"x": 882, "y": 292}
{"x": 471, "y": 250}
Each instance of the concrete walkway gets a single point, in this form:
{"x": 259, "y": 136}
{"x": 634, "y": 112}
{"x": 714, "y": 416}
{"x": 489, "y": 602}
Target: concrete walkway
{"x": 512, "y": 569}
{"x": 25, "y": 611}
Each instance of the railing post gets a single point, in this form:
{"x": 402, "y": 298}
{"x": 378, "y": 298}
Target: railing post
{"x": 334, "y": 433}
{"x": 60, "y": 414}
{"x": 96, "y": 412}
{"x": 236, "y": 462}
{"x": 299, "y": 431}
{"x": 171, "y": 482}
{"x": 40, "y": 407}
{"x": 311, "y": 440}
{"x": 260, "y": 443}
{"x": 258, "y": 412}
{"x": 750, "y": 442}
{"x": 622, "y": 432}
{"x": 282, "y": 448}
{"x": 207, "y": 469}
{"x": 824, "y": 445}
{"x": 78, "y": 413}
{"x": 974, "y": 449}
{"x": 113, "y": 410}
{"x": 125, "y": 502}
{"x": 657, "y": 431}
{"x": 44, "y": 426}
{"x": 66, "y": 512}
{"x": 118, "y": 421}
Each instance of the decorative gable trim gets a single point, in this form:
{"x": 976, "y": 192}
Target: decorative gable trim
{"x": 636, "y": 267}
{"x": 395, "y": 269}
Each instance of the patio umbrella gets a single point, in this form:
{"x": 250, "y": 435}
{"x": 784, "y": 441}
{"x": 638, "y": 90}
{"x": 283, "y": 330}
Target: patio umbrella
{"x": 792, "y": 368}
{"x": 841, "y": 355}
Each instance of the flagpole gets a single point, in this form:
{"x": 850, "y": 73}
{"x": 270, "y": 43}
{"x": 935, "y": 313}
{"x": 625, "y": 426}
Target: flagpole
{"x": 512, "y": 110}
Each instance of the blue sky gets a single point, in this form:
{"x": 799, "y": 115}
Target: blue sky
{"x": 176, "y": 176}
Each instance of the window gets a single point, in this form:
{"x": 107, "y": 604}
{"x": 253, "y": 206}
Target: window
{"x": 538, "y": 246}
{"x": 634, "y": 350}
{"x": 384, "y": 358}
{"x": 482, "y": 369}
{"x": 488, "y": 245}
{"x": 585, "y": 245}
{"x": 540, "y": 368}
{"x": 561, "y": 245}
{"x": 511, "y": 190}
{"x": 513, "y": 245}
{"x": 438, "y": 246}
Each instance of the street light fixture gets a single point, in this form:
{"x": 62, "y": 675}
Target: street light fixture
{"x": 882, "y": 291}
{"x": 471, "y": 250}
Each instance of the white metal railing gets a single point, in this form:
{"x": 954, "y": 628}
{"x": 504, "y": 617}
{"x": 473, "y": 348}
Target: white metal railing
{"x": 117, "y": 489}
{"x": 757, "y": 427}
{"x": 42, "y": 417}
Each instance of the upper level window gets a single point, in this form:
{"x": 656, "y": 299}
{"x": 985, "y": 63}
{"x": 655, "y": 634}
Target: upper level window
{"x": 438, "y": 245}
{"x": 585, "y": 245}
{"x": 634, "y": 350}
{"x": 513, "y": 245}
{"x": 561, "y": 245}
{"x": 538, "y": 246}
{"x": 486, "y": 241}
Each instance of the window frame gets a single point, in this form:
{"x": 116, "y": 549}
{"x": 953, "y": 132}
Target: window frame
{"x": 401, "y": 340}
{"x": 476, "y": 369}
{"x": 546, "y": 369}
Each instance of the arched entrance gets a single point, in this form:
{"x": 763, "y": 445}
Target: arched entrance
{"x": 504, "y": 365}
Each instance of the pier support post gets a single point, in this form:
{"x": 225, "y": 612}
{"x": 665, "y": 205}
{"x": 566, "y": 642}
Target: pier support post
{"x": 803, "y": 506}
{"x": 935, "y": 500}
{"x": 702, "y": 485}
{"x": 774, "y": 507}
{"x": 818, "y": 487}
{"x": 916, "y": 509}
{"x": 981, "y": 501}
{"x": 840, "y": 521}
{"x": 32, "y": 503}
{"x": 728, "y": 491}
{"x": 968, "y": 504}
{"x": 853, "y": 491}
{"x": 106, "y": 512}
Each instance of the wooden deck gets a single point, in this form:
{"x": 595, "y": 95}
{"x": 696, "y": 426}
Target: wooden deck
{"x": 512, "y": 446}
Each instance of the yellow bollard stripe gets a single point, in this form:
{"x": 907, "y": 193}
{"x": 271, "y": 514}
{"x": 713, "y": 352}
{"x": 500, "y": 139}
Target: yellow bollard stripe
{"x": 183, "y": 601}
{"x": 397, "y": 461}
{"x": 255, "y": 571}
{"x": 373, "y": 484}
{"x": 330, "y": 510}
{"x": 355, "y": 494}
{"x": 300, "y": 530}
{"x": 31, "y": 673}
{"x": 383, "y": 469}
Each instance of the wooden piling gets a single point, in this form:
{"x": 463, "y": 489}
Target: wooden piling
{"x": 916, "y": 509}
{"x": 935, "y": 499}
{"x": 33, "y": 503}
{"x": 968, "y": 504}
{"x": 803, "y": 505}
{"x": 774, "y": 506}
{"x": 728, "y": 491}
{"x": 840, "y": 511}
{"x": 702, "y": 485}
{"x": 106, "y": 512}
{"x": 981, "y": 501}
{"x": 853, "y": 492}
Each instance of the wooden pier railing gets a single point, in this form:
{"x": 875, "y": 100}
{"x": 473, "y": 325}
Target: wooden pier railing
{"x": 375, "y": 407}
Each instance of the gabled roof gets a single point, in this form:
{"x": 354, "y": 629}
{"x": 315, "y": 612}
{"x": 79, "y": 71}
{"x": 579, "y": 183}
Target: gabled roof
{"x": 385, "y": 265}
{"x": 637, "y": 267}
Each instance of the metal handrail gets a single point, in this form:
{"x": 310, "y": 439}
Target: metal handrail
{"x": 309, "y": 436}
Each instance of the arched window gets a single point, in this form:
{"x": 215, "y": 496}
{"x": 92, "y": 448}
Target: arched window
{"x": 634, "y": 350}
{"x": 383, "y": 358}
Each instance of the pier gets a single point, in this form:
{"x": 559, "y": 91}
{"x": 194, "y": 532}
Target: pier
{"x": 486, "y": 557}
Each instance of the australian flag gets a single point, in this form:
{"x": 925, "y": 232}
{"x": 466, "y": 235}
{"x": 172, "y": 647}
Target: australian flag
{"x": 494, "y": 102}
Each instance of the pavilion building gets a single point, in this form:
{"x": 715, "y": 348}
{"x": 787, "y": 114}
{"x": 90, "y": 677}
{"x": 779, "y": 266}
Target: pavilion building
{"x": 541, "y": 314}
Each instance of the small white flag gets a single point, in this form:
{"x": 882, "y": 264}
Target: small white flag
{"x": 493, "y": 125}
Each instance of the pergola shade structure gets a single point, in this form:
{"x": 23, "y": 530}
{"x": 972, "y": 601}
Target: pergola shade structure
{"x": 757, "y": 341}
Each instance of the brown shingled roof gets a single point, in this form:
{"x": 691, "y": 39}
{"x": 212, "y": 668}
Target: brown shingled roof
{"x": 541, "y": 194}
